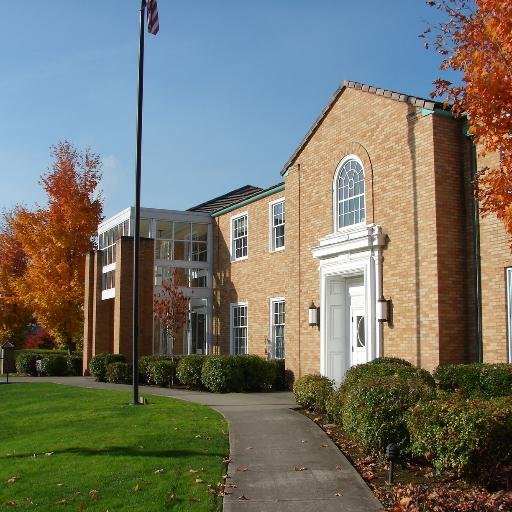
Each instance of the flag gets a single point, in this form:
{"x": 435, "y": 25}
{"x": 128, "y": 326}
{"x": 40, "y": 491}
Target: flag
{"x": 153, "y": 25}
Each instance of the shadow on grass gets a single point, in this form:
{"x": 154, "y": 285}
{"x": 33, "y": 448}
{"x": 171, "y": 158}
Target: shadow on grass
{"x": 120, "y": 451}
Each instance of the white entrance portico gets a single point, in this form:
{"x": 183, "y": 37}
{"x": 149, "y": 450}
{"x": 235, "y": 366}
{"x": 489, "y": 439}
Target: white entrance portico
{"x": 350, "y": 267}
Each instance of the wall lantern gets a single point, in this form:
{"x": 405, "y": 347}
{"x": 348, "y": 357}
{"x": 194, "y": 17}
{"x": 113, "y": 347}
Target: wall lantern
{"x": 383, "y": 310}
{"x": 313, "y": 314}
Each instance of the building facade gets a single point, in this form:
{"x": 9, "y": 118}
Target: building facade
{"x": 371, "y": 245}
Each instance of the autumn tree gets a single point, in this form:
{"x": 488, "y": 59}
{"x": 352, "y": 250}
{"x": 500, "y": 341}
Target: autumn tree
{"x": 14, "y": 316}
{"x": 476, "y": 40}
{"x": 55, "y": 240}
{"x": 170, "y": 306}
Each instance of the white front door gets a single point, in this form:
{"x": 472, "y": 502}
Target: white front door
{"x": 357, "y": 329}
{"x": 345, "y": 330}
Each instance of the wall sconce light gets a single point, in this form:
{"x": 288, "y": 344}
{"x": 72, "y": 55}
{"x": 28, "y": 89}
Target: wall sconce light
{"x": 383, "y": 310}
{"x": 313, "y": 314}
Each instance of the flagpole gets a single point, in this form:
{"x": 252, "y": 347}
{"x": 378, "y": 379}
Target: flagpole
{"x": 136, "y": 236}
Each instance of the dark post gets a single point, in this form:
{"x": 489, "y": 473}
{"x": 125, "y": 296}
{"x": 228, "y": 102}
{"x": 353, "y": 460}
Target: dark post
{"x": 136, "y": 234}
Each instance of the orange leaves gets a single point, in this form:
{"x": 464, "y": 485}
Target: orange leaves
{"x": 477, "y": 41}
{"x": 56, "y": 239}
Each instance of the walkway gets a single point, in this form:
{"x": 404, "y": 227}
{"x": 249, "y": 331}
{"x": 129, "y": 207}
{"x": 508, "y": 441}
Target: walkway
{"x": 280, "y": 460}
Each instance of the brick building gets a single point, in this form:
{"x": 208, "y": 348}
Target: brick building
{"x": 371, "y": 245}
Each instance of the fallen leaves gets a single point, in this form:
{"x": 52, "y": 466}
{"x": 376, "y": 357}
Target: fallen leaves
{"x": 11, "y": 503}
{"x": 243, "y": 498}
{"x": 94, "y": 495}
{"x": 159, "y": 471}
{"x": 199, "y": 481}
{"x": 300, "y": 468}
{"x": 13, "y": 479}
{"x": 242, "y": 469}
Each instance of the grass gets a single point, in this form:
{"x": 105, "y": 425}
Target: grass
{"x": 65, "y": 448}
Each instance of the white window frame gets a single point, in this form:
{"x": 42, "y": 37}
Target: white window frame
{"x": 509, "y": 311}
{"x": 272, "y": 301}
{"x": 271, "y": 231}
{"x": 232, "y": 307}
{"x": 231, "y": 230}
{"x": 335, "y": 205}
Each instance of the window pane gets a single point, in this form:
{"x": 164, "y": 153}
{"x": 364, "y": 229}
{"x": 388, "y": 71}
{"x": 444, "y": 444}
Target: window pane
{"x": 144, "y": 228}
{"x": 182, "y": 231}
{"x": 200, "y": 232}
{"x": 164, "y": 229}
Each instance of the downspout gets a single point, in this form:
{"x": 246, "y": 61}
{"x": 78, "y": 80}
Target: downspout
{"x": 298, "y": 290}
{"x": 476, "y": 257}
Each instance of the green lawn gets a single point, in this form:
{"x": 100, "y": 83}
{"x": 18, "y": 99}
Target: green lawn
{"x": 65, "y": 448}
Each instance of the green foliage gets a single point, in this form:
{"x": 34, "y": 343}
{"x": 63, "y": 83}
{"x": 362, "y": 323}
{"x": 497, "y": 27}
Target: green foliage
{"x": 257, "y": 373}
{"x": 26, "y": 362}
{"x": 144, "y": 364}
{"x": 469, "y": 437}
{"x": 162, "y": 372}
{"x": 221, "y": 374}
{"x": 334, "y": 406}
{"x": 386, "y": 367}
{"x": 119, "y": 373}
{"x": 312, "y": 392}
{"x": 372, "y": 410}
{"x": 98, "y": 364}
{"x": 189, "y": 369}
{"x": 54, "y": 365}
{"x": 277, "y": 369}
{"x": 75, "y": 363}
{"x": 476, "y": 380}
{"x": 390, "y": 360}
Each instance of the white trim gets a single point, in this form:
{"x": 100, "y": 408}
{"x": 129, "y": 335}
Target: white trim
{"x": 108, "y": 268}
{"x": 353, "y": 253}
{"x": 271, "y": 302}
{"x": 509, "y": 311}
{"x": 337, "y": 229}
{"x": 271, "y": 245}
{"x": 108, "y": 294}
{"x": 232, "y": 306}
{"x": 233, "y": 218}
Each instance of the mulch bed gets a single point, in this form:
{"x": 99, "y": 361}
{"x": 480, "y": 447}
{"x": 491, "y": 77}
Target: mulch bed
{"x": 416, "y": 488}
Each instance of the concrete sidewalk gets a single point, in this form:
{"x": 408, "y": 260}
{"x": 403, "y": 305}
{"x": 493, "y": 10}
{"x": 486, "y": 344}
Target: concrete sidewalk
{"x": 280, "y": 460}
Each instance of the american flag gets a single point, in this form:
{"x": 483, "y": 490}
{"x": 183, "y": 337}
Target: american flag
{"x": 153, "y": 25}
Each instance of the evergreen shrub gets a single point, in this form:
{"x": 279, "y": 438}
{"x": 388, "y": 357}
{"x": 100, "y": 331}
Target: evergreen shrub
{"x": 119, "y": 373}
{"x": 98, "y": 364}
{"x": 189, "y": 369}
{"x": 312, "y": 392}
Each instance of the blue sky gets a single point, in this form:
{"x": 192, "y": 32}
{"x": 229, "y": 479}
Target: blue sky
{"x": 231, "y": 87}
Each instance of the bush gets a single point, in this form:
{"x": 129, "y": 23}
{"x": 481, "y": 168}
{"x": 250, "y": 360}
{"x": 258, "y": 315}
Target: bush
{"x": 26, "y": 362}
{"x": 476, "y": 380}
{"x": 256, "y": 373}
{"x": 144, "y": 364}
{"x": 162, "y": 371}
{"x": 54, "y": 365}
{"x": 221, "y": 374}
{"x": 188, "y": 370}
{"x": 98, "y": 364}
{"x": 119, "y": 373}
{"x": 312, "y": 392}
{"x": 386, "y": 367}
{"x": 278, "y": 372}
{"x": 41, "y": 338}
{"x": 75, "y": 363}
{"x": 469, "y": 437}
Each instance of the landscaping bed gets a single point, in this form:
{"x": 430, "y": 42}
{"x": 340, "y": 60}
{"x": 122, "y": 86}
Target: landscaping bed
{"x": 453, "y": 430}
{"x": 65, "y": 448}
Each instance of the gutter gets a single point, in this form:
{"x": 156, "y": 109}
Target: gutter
{"x": 261, "y": 195}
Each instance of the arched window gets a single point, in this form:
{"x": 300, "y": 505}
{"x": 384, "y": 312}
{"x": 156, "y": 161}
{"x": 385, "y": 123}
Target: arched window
{"x": 349, "y": 193}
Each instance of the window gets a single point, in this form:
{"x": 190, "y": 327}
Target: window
{"x": 108, "y": 280}
{"x": 349, "y": 193}
{"x": 277, "y": 225}
{"x": 239, "y": 237}
{"x": 107, "y": 241}
{"x": 238, "y": 328}
{"x": 277, "y": 322}
{"x": 182, "y": 241}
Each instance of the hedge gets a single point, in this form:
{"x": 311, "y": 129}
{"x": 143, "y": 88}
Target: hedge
{"x": 54, "y": 365}
{"x": 372, "y": 411}
{"x": 476, "y": 380}
{"x": 26, "y": 362}
{"x": 53, "y": 362}
{"x": 98, "y": 364}
{"x": 312, "y": 392}
{"x": 119, "y": 373}
{"x": 386, "y": 367}
{"x": 188, "y": 370}
{"x": 222, "y": 374}
{"x": 469, "y": 437}
{"x": 162, "y": 372}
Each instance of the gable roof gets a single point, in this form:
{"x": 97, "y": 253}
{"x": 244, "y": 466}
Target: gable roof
{"x": 234, "y": 196}
{"x": 379, "y": 91}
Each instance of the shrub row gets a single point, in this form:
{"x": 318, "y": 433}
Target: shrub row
{"x": 52, "y": 363}
{"x": 390, "y": 401}
{"x": 218, "y": 374}
{"x": 476, "y": 380}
